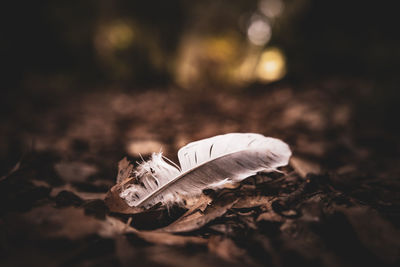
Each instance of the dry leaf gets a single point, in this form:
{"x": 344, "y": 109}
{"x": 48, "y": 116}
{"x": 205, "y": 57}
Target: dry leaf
{"x": 74, "y": 171}
{"x": 116, "y": 204}
{"x": 83, "y": 195}
{"x": 112, "y": 199}
{"x": 304, "y": 167}
{"x": 72, "y": 223}
{"x": 253, "y": 201}
{"x": 377, "y": 234}
{"x": 114, "y": 226}
{"x": 124, "y": 170}
{"x": 198, "y": 219}
{"x": 226, "y": 249}
{"x": 270, "y": 216}
{"x": 68, "y": 222}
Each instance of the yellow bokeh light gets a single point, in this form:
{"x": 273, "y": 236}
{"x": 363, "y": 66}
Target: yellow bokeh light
{"x": 120, "y": 35}
{"x": 221, "y": 49}
{"x": 272, "y": 65}
{"x": 117, "y": 35}
{"x": 206, "y": 59}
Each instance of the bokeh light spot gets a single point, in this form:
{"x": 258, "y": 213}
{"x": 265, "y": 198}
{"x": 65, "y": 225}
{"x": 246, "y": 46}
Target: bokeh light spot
{"x": 117, "y": 35}
{"x": 272, "y": 65}
{"x": 271, "y": 8}
{"x": 259, "y": 32}
{"x": 120, "y": 35}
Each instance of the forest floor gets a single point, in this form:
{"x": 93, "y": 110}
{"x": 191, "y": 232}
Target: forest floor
{"x": 336, "y": 204}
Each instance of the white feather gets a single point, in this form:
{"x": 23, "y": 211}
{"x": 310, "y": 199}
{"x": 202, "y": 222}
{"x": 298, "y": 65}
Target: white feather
{"x": 208, "y": 163}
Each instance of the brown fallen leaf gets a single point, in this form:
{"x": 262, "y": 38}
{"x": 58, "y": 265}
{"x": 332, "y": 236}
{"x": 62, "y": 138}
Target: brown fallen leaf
{"x": 112, "y": 199}
{"x": 170, "y": 239}
{"x": 195, "y": 220}
{"x": 200, "y": 205}
{"x": 68, "y": 222}
{"x": 16, "y": 167}
{"x": 253, "y": 201}
{"x": 114, "y": 226}
{"x": 124, "y": 170}
{"x": 124, "y": 251}
{"x": 116, "y": 204}
{"x": 83, "y": 195}
{"x": 226, "y": 228}
{"x": 270, "y": 216}
{"x": 73, "y": 224}
{"x": 75, "y": 171}
{"x": 304, "y": 167}
{"x": 376, "y": 234}
{"x": 160, "y": 255}
{"x": 226, "y": 249}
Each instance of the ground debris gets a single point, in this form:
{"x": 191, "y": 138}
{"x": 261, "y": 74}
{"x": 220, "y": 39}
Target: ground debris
{"x": 336, "y": 204}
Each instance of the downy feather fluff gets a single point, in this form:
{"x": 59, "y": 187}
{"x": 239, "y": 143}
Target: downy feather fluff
{"x": 208, "y": 163}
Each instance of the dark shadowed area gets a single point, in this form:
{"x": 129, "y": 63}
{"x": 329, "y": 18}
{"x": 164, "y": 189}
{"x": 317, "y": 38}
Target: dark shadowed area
{"x": 87, "y": 83}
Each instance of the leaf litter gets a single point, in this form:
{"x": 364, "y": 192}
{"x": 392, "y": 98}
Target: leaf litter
{"x": 323, "y": 210}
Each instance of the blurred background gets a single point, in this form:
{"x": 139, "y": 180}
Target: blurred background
{"x": 96, "y": 80}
